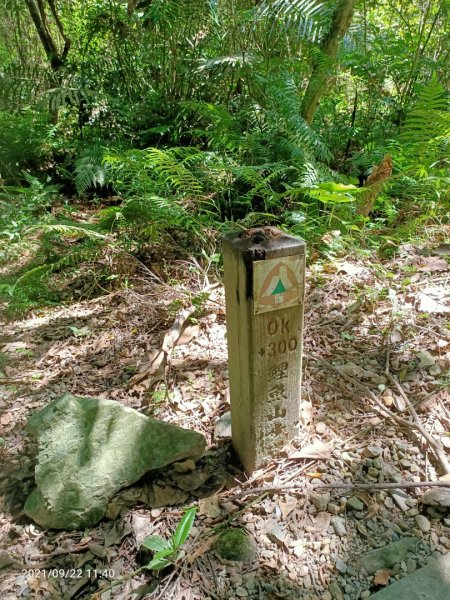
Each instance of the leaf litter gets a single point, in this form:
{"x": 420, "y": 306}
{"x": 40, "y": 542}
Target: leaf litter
{"x": 100, "y": 347}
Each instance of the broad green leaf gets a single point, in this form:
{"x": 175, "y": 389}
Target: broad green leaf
{"x": 155, "y": 543}
{"x": 159, "y": 561}
{"x": 331, "y": 186}
{"x": 331, "y": 198}
{"x": 184, "y": 528}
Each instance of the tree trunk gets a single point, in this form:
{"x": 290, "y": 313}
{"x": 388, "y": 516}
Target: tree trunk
{"x": 55, "y": 57}
{"x": 374, "y": 184}
{"x": 317, "y": 85}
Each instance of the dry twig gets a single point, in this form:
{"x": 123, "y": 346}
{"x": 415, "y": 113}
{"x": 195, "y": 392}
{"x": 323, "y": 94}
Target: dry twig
{"x": 383, "y": 410}
{"x": 304, "y": 490}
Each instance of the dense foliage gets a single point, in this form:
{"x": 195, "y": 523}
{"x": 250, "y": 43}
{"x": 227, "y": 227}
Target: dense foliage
{"x": 174, "y": 120}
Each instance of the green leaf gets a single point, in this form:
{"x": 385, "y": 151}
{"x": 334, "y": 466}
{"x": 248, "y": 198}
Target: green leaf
{"x": 159, "y": 561}
{"x": 155, "y": 543}
{"x": 184, "y": 528}
{"x": 331, "y": 186}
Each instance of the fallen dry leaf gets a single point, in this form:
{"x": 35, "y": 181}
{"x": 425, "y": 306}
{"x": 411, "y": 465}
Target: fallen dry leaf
{"x": 209, "y": 507}
{"x": 202, "y": 548}
{"x": 322, "y": 521}
{"x": 287, "y": 506}
{"x": 382, "y": 577}
{"x": 317, "y": 449}
{"x": 433, "y": 263}
{"x": 6, "y": 419}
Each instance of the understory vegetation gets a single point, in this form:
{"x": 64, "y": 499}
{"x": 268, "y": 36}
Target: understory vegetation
{"x": 135, "y": 133}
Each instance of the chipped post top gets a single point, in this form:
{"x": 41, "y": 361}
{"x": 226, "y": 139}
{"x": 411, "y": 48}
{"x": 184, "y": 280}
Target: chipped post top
{"x": 261, "y": 243}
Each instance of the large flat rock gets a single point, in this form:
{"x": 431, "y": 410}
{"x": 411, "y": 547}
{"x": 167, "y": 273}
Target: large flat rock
{"x": 88, "y": 449}
{"x": 431, "y": 582}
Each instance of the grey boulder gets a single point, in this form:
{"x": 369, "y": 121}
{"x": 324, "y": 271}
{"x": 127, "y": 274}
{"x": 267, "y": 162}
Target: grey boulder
{"x": 89, "y": 449}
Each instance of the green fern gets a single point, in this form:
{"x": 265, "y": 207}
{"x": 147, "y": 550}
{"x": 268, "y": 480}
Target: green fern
{"x": 425, "y": 135}
{"x": 301, "y": 17}
{"x": 157, "y": 171}
{"x": 90, "y": 169}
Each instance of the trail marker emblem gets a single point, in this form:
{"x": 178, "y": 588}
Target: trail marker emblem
{"x": 277, "y": 283}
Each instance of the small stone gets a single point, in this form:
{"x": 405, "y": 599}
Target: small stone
{"x": 405, "y": 463}
{"x": 423, "y": 523}
{"x": 320, "y": 501}
{"x": 388, "y": 502}
{"x": 411, "y": 565}
{"x": 365, "y": 594}
{"x": 326, "y": 596}
{"x": 303, "y": 571}
{"x": 445, "y": 541}
{"x": 334, "y": 508}
{"x": 222, "y": 427}
{"x": 322, "y": 521}
{"x": 447, "y": 522}
{"x": 249, "y": 581}
{"x": 414, "y": 468}
{"x": 399, "y": 498}
{"x": 377, "y": 463}
{"x": 338, "y": 525}
{"x": 355, "y": 503}
{"x": 413, "y": 512}
{"x": 307, "y": 582}
{"x": 372, "y": 451}
{"x": 388, "y": 400}
{"x": 335, "y": 591}
{"x": 277, "y": 535}
{"x": 341, "y": 566}
{"x": 373, "y": 472}
{"x": 320, "y": 428}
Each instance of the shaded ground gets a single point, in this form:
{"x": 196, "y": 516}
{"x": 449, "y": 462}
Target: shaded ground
{"x": 368, "y": 325}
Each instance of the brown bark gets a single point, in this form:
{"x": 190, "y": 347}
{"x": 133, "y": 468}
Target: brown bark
{"x": 37, "y": 12}
{"x": 318, "y": 81}
{"x": 374, "y": 184}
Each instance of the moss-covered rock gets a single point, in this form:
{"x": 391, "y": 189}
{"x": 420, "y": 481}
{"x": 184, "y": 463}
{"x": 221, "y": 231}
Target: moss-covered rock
{"x": 235, "y": 545}
{"x": 89, "y": 449}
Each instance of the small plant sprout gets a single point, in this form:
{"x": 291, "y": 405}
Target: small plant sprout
{"x": 167, "y": 552}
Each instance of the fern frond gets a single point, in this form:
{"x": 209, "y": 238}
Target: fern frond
{"x": 301, "y": 17}
{"x": 79, "y": 230}
{"x": 425, "y": 135}
{"x": 90, "y": 169}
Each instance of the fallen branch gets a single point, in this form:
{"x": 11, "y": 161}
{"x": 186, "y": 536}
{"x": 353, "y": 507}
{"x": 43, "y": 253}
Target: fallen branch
{"x": 436, "y": 445}
{"x": 383, "y": 410}
{"x": 156, "y": 368}
{"x": 308, "y": 488}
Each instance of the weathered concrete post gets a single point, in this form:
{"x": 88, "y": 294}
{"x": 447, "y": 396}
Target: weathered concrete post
{"x": 264, "y": 290}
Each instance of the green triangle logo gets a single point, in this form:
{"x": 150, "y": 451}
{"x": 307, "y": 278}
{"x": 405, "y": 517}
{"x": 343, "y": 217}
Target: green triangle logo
{"x": 279, "y": 289}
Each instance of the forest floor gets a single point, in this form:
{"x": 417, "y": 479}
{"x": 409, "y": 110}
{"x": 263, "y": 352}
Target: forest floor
{"x": 377, "y": 351}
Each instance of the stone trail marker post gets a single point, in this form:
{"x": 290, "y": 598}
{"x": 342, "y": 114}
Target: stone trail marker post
{"x": 264, "y": 290}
